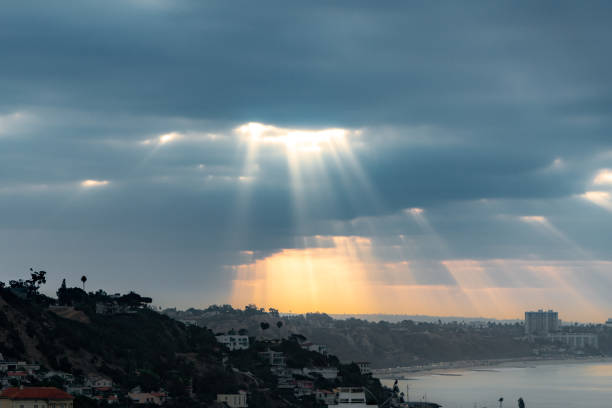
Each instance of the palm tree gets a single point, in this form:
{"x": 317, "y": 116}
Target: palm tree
{"x": 279, "y": 324}
{"x": 83, "y": 279}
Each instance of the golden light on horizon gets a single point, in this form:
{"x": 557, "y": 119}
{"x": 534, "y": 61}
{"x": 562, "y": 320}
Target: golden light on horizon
{"x": 301, "y": 280}
{"x": 342, "y": 275}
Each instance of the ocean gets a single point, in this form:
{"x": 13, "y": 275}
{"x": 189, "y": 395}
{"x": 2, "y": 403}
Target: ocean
{"x": 558, "y": 385}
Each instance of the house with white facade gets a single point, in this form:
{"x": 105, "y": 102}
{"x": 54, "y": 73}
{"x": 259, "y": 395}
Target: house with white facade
{"x": 99, "y": 382}
{"x": 153, "y": 397}
{"x": 325, "y": 396}
{"x": 234, "y": 400}
{"x": 364, "y": 367}
{"x": 350, "y": 397}
{"x": 233, "y": 342}
{"x": 319, "y": 348}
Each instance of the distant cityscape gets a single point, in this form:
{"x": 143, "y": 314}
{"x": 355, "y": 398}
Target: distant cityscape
{"x": 546, "y": 325}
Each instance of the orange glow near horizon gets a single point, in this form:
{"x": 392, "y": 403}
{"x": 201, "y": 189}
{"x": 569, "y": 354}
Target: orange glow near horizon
{"x": 341, "y": 275}
{"x": 301, "y": 280}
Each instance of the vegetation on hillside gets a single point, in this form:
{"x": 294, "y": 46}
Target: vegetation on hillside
{"x": 405, "y": 343}
{"x": 139, "y": 346}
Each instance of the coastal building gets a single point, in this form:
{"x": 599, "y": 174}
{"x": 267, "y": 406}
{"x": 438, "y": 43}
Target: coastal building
{"x": 303, "y": 388}
{"x": 329, "y": 373}
{"x": 273, "y": 358}
{"x": 576, "y": 340}
{"x": 326, "y": 397}
{"x": 608, "y": 323}
{"x": 350, "y": 397}
{"x": 30, "y": 368}
{"x": 99, "y": 382}
{"x": 234, "y": 400}
{"x": 364, "y": 367}
{"x": 35, "y": 397}
{"x": 541, "y": 322}
{"x": 319, "y": 348}
{"x": 155, "y": 398}
{"x": 233, "y": 342}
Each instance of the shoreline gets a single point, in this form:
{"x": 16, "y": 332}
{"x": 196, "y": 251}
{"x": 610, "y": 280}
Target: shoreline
{"x": 455, "y": 367}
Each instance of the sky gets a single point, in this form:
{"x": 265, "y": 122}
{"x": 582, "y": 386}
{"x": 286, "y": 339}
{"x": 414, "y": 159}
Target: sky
{"x": 440, "y": 158}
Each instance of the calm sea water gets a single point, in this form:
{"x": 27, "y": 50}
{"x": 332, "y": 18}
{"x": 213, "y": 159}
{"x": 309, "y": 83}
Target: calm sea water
{"x": 572, "y": 385}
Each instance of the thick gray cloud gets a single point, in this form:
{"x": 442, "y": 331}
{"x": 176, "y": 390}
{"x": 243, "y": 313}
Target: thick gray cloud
{"x": 478, "y": 113}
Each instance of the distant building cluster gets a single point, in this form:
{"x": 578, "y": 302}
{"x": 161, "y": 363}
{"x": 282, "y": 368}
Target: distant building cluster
{"x": 546, "y": 324}
{"x": 541, "y": 322}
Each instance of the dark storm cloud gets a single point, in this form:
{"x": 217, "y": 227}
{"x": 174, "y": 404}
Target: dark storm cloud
{"x": 456, "y": 103}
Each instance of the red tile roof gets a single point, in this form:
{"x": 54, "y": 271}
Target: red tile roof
{"x": 41, "y": 393}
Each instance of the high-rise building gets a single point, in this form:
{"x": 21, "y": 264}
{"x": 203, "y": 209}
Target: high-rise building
{"x": 541, "y": 322}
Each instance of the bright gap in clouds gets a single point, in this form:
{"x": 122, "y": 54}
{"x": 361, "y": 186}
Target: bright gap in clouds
{"x": 302, "y": 140}
{"x": 604, "y": 176}
{"x": 94, "y": 183}
{"x": 600, "y": 198}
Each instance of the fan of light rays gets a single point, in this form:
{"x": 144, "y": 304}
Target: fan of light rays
{"x": 545, "y": 227}
{"x": 329, "y": 276}
{"x": 317, "y": 263}
{"x": 459, "y": 294}
{"x": 307, "y": 152}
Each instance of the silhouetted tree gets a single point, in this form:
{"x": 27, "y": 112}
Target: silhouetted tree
{"x": 62, "y": 297}
{"x": 83, "y": 279}
{"x": 37, "y": 278}
{"x": 264, "y": 325}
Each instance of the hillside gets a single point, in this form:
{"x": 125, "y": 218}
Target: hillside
{"x": 143, "y": 348}
{"x": 385, "y": 344}
{"x": 80, "y": 335}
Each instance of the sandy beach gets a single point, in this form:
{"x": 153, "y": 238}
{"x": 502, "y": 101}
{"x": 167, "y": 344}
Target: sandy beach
{"x": 457, "y": 367}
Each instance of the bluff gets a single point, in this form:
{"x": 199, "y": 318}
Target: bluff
{"x": 384, "y": 344}
{"x": 121, "y": 338}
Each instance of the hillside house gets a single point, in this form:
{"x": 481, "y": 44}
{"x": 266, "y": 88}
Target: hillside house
{"x": 234, "y": 400}
{"x": 113, "y": 308}
{"x": 351, "y": 397}
{"x": 99, "y": 383}
{"x": 35, "y": 397}
{"x": 303, "y": 388}
{"x": 325, "y": 396}
{"x": 30, "y": 368}
{"x": 319, "y": 348}
{"x": 154, "y": 397}
{"x": 364, "y": 367}
{"x": 69, "y": 378}
{"x": 233, "y": 342}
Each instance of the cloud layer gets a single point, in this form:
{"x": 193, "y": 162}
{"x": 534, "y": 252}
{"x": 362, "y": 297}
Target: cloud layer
{"x": 438, "y": 132}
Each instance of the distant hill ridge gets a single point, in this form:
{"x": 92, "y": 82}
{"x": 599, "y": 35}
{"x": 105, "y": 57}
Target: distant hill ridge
{"x": 385, "y": 344}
